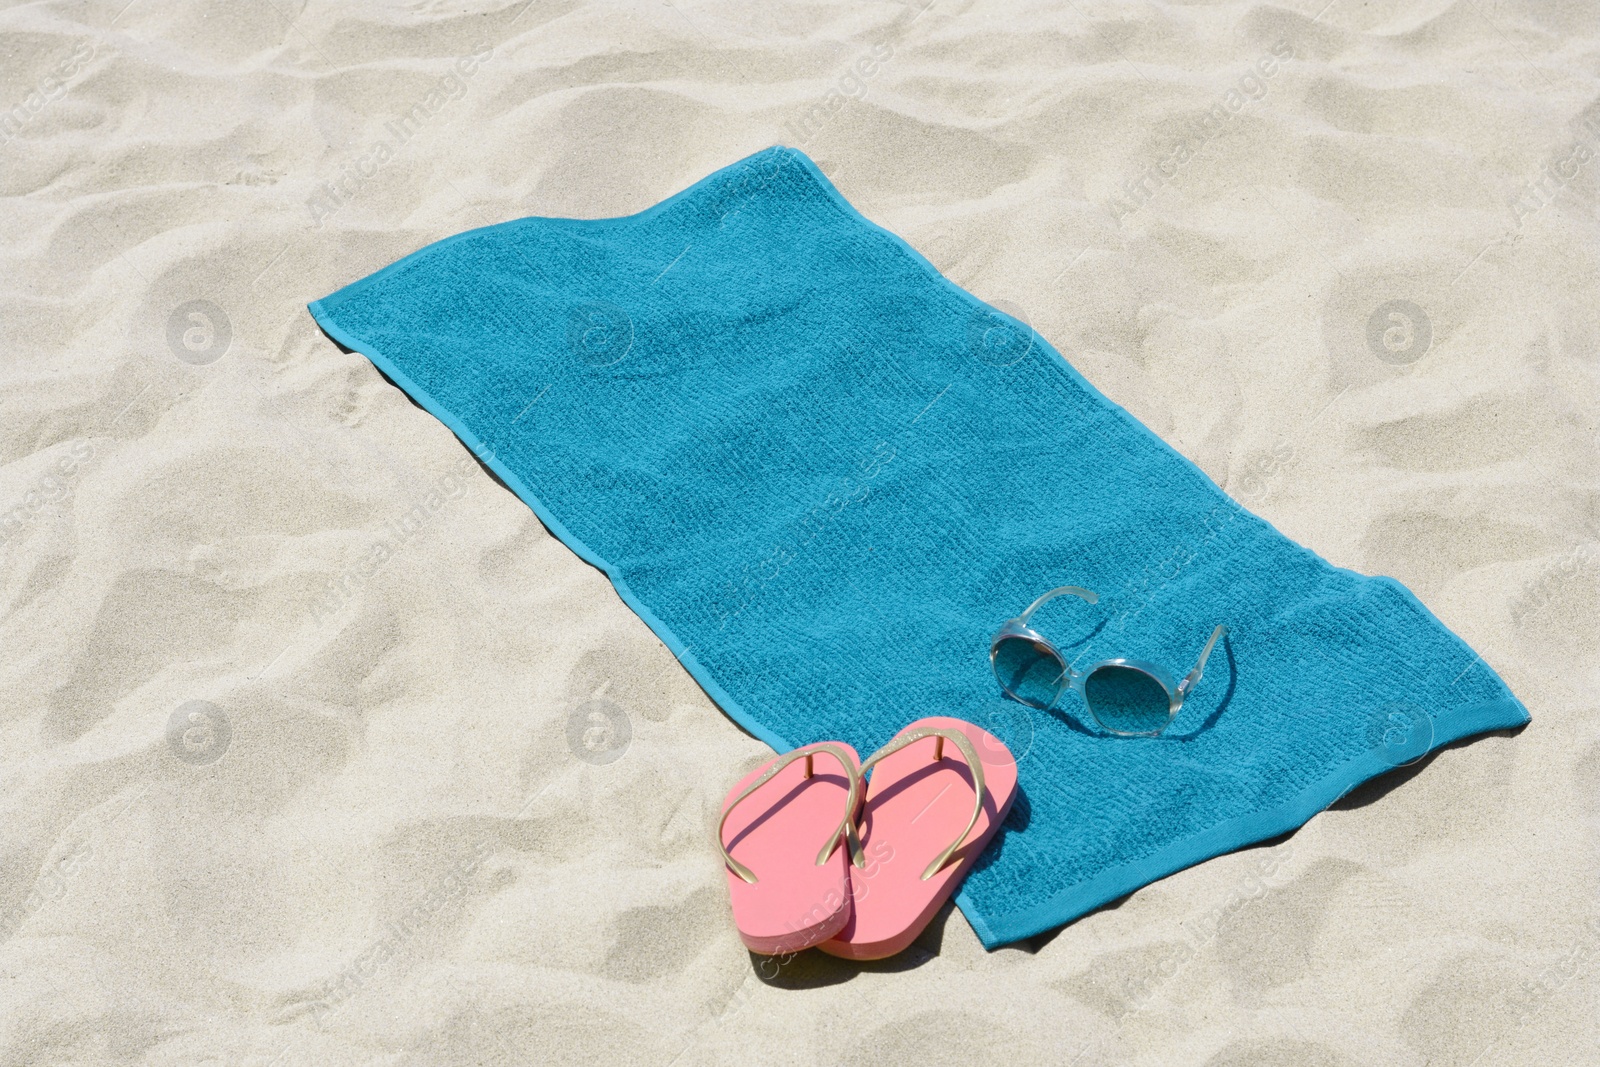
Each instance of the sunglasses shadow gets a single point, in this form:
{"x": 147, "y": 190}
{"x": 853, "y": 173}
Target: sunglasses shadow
{"x": 1222, "y": 704}
{"x": 1090, "y": 636}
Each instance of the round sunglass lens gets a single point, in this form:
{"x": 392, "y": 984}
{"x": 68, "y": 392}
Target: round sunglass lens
{"x": 1029, "y": 671}
{"x": 1127, "y": 701}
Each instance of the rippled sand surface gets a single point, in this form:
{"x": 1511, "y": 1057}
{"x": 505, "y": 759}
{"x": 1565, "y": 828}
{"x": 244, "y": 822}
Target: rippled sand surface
{"x": 319, "y": 749}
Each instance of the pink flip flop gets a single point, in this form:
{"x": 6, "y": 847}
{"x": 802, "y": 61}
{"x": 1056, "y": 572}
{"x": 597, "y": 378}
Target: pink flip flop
{"x": 931, "y": 808}
{"x": 786, "y": 897}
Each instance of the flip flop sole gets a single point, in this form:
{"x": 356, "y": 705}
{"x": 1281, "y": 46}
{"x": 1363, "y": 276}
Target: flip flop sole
{"x": 915, "y": 807}
{"x": 777, "y": 832}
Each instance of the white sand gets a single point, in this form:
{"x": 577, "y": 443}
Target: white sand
{"x": 394, "y": 855}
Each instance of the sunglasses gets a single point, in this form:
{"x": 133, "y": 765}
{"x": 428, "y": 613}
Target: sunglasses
{"x": 1127, "y": 697}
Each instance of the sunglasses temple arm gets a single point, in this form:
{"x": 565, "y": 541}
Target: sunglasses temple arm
{"x": 1193, "y": 677}
{"x": 1077, "y": 591}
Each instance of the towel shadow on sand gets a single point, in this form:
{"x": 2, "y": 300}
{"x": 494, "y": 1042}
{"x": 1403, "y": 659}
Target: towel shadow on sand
{"x": 811, "y": 969}
{"x": 477, "y": 458}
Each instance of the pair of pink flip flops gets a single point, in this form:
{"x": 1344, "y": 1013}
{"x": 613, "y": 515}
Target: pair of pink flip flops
{"x": 802, "y": 872}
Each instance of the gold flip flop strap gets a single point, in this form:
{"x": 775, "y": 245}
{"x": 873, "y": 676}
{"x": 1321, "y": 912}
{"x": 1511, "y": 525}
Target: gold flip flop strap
{"x": 846, "y": 826}
{"x": 974, "y": 764}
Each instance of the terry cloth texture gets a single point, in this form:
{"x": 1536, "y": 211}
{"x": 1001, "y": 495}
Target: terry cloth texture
{"x": 824, "y": 475}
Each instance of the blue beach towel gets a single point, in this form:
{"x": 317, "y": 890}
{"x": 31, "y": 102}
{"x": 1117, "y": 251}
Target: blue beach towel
{"x": 824, "y": 475}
